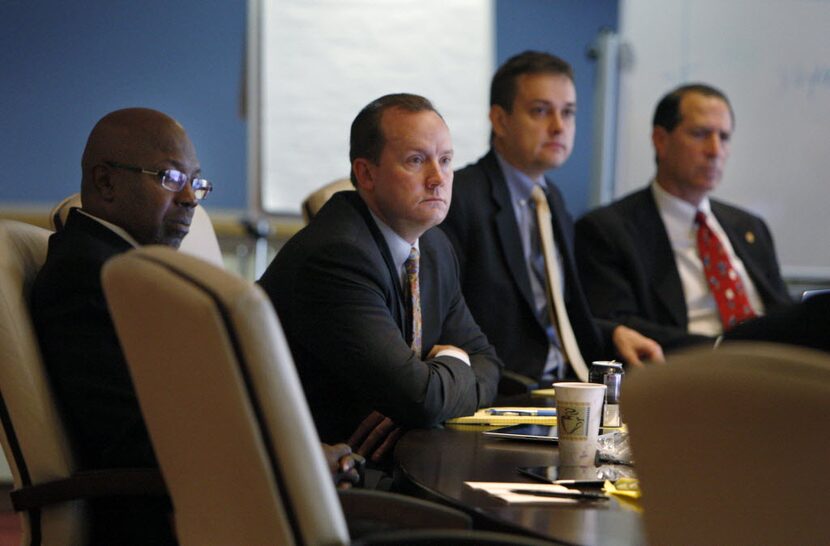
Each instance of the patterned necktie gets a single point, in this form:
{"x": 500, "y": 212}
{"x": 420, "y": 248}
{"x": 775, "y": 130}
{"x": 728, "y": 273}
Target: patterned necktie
{"x": 724, "y": 282}
{"x": 412, "y": 265}
{"x": 556, "y": 303}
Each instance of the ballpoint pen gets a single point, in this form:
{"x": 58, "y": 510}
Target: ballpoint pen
{"x": 578, "y": 495}
{"x": 594, "y": 483}
{"x": 529, "y": 412}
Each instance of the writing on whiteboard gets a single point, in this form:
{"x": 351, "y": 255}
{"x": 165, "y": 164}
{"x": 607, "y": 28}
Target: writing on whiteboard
{"x": 809, "y": 80}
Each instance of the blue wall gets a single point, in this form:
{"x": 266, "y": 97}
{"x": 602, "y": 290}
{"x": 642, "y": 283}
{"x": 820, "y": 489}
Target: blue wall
{"x": 65, "y": 64}
{"x": 566, "y": 28}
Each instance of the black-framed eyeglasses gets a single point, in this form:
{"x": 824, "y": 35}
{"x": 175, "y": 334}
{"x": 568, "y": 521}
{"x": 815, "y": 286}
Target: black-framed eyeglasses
{"x": 171, "y": 179}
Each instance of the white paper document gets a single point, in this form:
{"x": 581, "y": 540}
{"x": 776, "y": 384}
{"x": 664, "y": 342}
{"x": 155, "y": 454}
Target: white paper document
{"x": 503, "y": 490}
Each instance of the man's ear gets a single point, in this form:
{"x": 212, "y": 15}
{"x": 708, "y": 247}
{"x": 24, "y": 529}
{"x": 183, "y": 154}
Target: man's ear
{"x": 364, "y": 173}
{"x": 103, "y": 183}
{"x": 498, "y": 120}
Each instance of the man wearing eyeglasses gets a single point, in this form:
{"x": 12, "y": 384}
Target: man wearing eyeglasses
{"x": 141, "y": 182}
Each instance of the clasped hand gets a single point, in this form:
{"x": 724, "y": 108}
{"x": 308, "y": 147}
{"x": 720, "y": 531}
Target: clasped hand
{"x": 375, "y": 437}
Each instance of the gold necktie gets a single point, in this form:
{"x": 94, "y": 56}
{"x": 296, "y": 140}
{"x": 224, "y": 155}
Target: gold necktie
{"x": 556, "y": 304}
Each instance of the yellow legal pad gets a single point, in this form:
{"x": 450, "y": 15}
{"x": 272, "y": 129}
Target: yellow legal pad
{"x": 627, "y": 491}
{"x": 543, "y": 392}
{"x": 484, "y": 417}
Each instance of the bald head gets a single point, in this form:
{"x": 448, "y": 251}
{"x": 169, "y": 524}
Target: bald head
{"x": 130, "y": 133}
{"x": 136, "y": 201}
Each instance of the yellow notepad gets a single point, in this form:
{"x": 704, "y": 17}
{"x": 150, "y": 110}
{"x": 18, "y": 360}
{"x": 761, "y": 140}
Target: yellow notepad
{"x": 484, "y": 417}
{"x": 627, "y": 491}
{"x": 543, "y": 392}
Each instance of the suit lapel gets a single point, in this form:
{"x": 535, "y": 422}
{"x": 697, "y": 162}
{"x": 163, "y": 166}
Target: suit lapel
{"x": 432, "y": 304}
{"x": 508, "y": 230}
{"x": 380, "y": 242}
{"x": 743, "y": 249}
{"x": 654, "y": 246}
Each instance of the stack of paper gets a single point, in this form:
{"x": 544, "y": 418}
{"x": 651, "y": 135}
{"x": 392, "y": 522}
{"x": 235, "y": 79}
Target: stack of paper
{"x": 506, "y": 492}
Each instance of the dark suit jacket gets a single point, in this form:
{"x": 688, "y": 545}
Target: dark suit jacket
{"x": 806, "y": 324}
{"x": 90, "y": 378}
{"x": 81, "y": 350}
{"x": 482, "y": 227}
{"x": 628, "y": 269}
{"x": 341, "y": 305}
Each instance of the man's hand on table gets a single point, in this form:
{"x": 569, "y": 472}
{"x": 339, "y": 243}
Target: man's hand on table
{"x": 375, "y": 437}
{"x": 636, "y": 349}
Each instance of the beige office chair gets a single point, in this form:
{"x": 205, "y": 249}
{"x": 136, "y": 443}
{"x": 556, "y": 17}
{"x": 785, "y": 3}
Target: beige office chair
{"x": 731, "y": 446}
{"x": 34, "y": 440}
{"x": 200, "y": 241}
{"x": 315, "y": 201}
{"x": 228, "y": 418}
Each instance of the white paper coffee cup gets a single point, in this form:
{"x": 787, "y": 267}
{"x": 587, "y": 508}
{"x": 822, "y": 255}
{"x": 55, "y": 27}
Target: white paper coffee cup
{"x": 579, "y": 411}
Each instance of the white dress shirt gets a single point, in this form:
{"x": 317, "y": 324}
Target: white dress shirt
{"x": 121, "y": 232}
{"x": 679, "y": 219}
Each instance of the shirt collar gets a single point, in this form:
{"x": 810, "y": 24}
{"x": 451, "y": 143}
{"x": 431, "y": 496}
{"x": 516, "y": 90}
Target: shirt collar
{"x": 679, "y": 210}
{"x": 121, "y": 232}
{"x": 519, "y": 184}
{"x": 398, "y": 246}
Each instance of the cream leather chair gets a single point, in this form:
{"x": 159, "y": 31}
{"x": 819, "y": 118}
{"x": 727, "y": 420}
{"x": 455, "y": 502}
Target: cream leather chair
{"x": 28, "y": 406}
{"x": 731, "y": 446}
{"x": 315, "y": 201}
{"x": 36, "y": 445}
{"x": 228, "y": 418}
{"x": 200, "y": 241}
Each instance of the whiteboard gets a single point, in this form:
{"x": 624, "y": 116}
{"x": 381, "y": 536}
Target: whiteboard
{"x": 324, "y": 60}
{"x": 772, "y": 59}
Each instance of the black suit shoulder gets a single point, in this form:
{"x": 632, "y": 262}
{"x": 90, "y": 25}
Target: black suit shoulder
{"x": 80, "y": 347}
{"x": 630, "y": 205}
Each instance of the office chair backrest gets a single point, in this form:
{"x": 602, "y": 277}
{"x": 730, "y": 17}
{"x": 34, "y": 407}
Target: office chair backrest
{"x": 731, "y": 446}
{"x": 200, "y": 241}
{"x": 315, "y": 201}
{"x": 222, "y": 401}
{"x": 59, "y": 213}
{"x": 33, "y": 436}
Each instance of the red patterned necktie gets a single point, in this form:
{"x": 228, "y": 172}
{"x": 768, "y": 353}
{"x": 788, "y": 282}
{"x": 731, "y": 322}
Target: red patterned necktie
{"x": 723, "y": 280}
{"x": 412, "y": 265}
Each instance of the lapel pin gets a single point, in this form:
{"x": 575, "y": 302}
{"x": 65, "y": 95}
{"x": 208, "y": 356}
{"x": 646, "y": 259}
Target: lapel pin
{"x": 750, "y": 237}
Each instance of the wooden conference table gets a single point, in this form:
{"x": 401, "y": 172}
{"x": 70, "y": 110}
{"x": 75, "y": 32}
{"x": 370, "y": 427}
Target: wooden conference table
{"x": 435, "y": 463}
